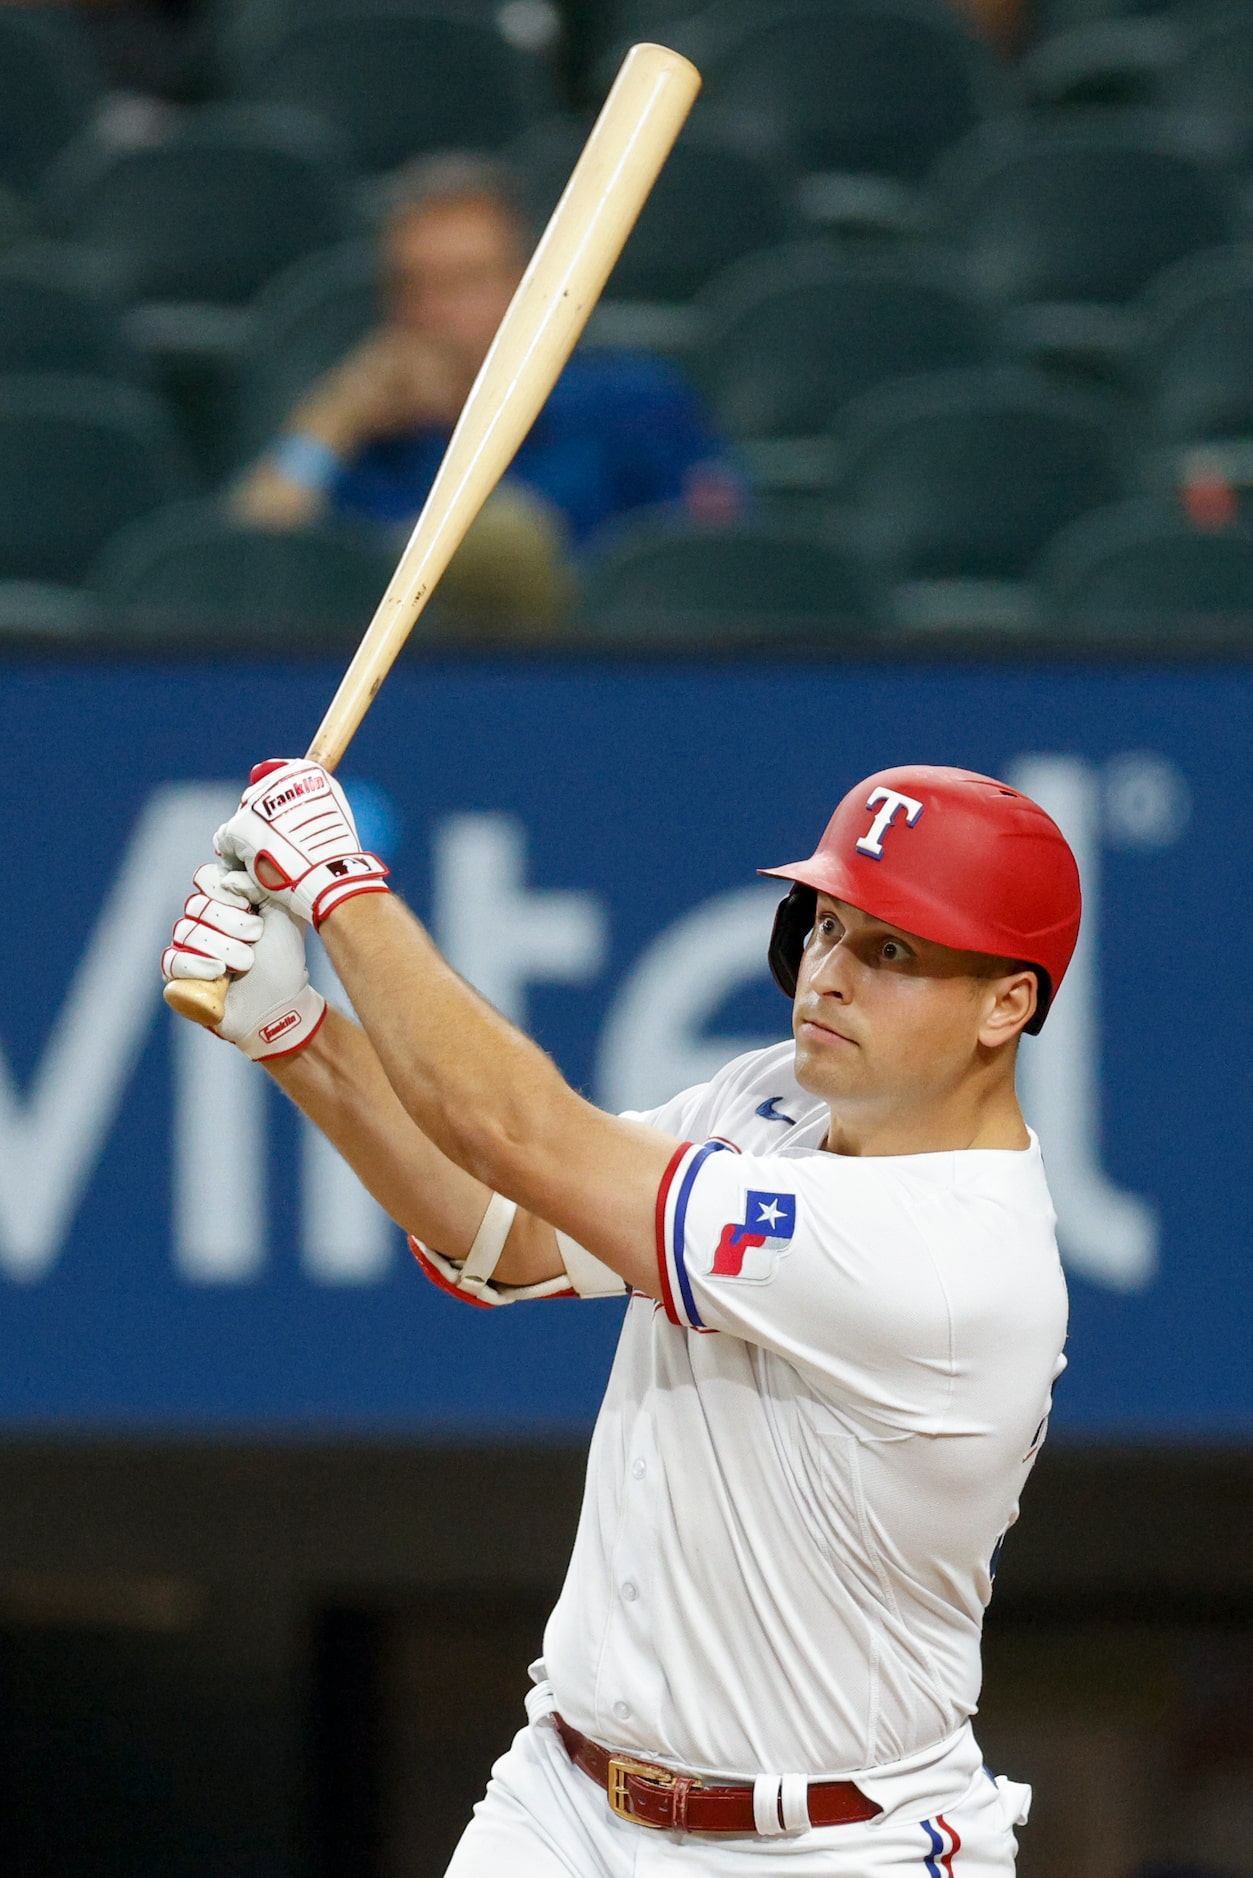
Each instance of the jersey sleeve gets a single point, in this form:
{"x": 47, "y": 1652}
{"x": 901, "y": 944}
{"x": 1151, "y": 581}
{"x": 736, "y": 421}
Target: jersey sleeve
{"x": 676, "y": 1117}
{"x": 685, "y": 1114}
{"x": 707, "y": 1108}
{"x": 823, "y": 1261}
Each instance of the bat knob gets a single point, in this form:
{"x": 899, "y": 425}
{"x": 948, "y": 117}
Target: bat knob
{"x": 203, "y": 1000}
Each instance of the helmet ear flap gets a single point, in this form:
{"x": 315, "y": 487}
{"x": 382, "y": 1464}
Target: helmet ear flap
{"x": 793, "y": 924}
{"x": 1043, "y": 999}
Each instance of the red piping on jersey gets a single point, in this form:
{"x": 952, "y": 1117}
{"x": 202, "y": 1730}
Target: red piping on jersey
{"x": 663, "y": 1194}
{"x": 954, "y": 1849}
{"x": 437, "y": 1278}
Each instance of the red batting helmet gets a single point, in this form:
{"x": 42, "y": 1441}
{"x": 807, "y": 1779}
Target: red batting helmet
{"x": 957, "y": 858}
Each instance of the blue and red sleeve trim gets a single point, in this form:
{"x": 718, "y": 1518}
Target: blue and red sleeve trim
{"x": 673, "y": 1196}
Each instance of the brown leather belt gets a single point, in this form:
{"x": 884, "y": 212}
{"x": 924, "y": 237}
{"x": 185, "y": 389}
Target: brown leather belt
{"x": 650, "y": 1795}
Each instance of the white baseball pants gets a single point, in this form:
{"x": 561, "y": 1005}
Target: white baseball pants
{"x": 541, "y": 1817}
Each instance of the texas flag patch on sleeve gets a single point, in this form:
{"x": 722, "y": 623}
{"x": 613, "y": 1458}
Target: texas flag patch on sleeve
{"x": 751, "y": 1247}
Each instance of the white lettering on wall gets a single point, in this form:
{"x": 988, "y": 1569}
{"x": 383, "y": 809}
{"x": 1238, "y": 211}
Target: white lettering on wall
{"x": 51, "y": 1141}
{"x": 654, "y": 1042}
{"x": 219, "y": 1140}
{"x": 499, "y": 934}
{"x": 1105, "y": 1233}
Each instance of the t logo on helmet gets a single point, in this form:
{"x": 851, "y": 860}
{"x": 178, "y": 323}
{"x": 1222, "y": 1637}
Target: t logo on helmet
{"x": 871, "y": 842}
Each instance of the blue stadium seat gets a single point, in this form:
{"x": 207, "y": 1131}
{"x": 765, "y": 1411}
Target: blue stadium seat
{"x": 1194, "y": 366}
{"x": 208, "y": 214}
{"x": 1141, "y": 569}
{"x": 796, "y": 333}
{"x": 49, "y": 89}
{"x": 713, "y": 588}
{"x": 188, "y": 230}
{"x": 954, "y": 482}
{"x": 1211, "y": 79}
{"x": 1059, "y": 16}
{"x": 194, "y": 572}
{"x": 703, "y": 29}
{"x": 1113, "y": 64}
{"x": 395, "y": 84}
{"x": 865, "y": 95}
{"x": 44, "y": 616}
{"x": 50, "y": 323}
{"x": 1064, "y": 226}
{"x": 245, "y": 30}
{"x": 79, "y": 458}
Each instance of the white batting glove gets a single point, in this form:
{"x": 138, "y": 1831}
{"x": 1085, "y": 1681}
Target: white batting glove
{"x": 271, "y": 1008}
{"x": 293, "y": 833}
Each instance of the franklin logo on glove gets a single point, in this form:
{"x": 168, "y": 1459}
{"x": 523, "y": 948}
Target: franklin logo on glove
{"x": 272, "y": 1032}
{"x": 313, "y": 785}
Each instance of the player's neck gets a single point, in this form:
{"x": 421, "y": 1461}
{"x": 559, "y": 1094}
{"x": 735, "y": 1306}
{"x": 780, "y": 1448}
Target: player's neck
{"x": 966, "y": 1119}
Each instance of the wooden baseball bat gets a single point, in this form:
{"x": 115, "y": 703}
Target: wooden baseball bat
{"x": 610, "y": 183}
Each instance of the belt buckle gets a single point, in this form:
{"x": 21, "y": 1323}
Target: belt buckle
{"x": 620, "y": 1769}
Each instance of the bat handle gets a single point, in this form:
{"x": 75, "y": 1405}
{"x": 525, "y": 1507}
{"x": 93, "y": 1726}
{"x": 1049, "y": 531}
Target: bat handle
{"x": 203, "y": 1000}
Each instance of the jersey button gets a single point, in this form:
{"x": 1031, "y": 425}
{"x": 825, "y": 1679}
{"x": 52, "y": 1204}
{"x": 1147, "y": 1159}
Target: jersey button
{"x": 630, "y": 1591}
{"x": 622, "y": 1711}
{"x": 638, "y": 1469}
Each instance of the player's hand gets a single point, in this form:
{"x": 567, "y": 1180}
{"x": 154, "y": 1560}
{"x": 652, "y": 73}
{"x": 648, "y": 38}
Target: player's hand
{"x": 294, "y": 835}
{"x": 393, "y": 382}
{"x": 228, "y": 926}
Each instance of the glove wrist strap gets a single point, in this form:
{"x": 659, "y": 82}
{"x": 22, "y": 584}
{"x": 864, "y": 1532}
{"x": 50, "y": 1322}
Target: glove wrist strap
{"x": 287, "y": 1028}
{"x": 329, "y": 885}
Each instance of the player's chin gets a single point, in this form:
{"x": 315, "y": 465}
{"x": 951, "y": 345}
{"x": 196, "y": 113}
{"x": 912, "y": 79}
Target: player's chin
{"x": 826, "y": 1066}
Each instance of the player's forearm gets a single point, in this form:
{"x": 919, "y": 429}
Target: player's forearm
{"x": 339, "y": 1083}
{"x": 473, "y": 1084}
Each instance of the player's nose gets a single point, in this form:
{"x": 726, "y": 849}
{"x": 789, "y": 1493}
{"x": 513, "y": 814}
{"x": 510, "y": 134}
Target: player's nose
{"x": 832, "y": 974}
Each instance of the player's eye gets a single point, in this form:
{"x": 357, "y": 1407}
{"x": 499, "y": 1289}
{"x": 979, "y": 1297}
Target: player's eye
{"x": 893, "y": 952}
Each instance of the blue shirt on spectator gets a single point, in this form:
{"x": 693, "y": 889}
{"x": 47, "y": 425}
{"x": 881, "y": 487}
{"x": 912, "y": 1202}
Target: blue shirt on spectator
{"x": 619, "y": 431}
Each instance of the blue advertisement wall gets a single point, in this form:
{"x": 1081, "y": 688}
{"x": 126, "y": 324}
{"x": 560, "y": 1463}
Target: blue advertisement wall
{"x": 179, "y": 1254}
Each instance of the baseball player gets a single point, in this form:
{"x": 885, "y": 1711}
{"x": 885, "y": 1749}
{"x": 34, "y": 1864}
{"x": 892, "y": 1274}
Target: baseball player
{"x": 846, "y": 1315}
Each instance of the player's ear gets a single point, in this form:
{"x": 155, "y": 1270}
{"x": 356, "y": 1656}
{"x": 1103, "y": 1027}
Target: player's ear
{"x": 1009, "y": 1003}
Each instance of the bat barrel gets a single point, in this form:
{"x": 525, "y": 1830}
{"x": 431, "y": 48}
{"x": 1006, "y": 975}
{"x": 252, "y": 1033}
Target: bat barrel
{"x": 629, "y": 143}
{"x": 610, "y": 183}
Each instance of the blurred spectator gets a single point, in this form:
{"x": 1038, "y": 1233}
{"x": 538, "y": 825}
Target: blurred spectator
{"x": 620, "y": 431}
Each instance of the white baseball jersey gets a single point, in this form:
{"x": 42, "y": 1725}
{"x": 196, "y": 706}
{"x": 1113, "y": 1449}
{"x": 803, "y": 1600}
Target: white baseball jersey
{"x": 809, "y": 1451}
